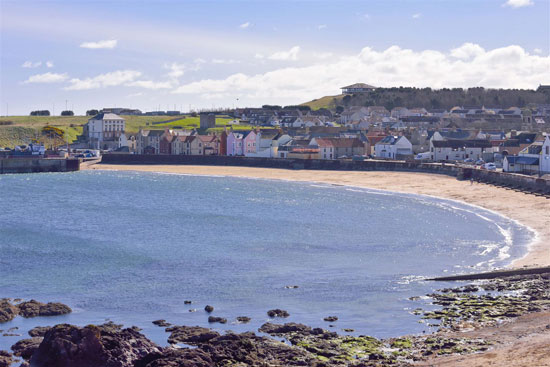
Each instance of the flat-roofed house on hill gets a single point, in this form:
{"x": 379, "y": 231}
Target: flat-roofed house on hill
{"x": 357, "y": 88}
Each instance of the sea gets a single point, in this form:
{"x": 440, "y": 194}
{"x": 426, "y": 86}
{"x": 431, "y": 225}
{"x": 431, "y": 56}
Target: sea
{"x": 131, "y": 247}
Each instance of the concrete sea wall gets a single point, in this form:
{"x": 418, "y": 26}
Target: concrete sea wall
{"x": 32, "y": 165}
{"x": 521, "y": 182}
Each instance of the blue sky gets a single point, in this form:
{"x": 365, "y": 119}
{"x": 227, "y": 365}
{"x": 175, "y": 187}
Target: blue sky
{"x": 202, "y": 54}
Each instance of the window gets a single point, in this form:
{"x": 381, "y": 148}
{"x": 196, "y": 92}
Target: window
{"x": 547, "y": 150}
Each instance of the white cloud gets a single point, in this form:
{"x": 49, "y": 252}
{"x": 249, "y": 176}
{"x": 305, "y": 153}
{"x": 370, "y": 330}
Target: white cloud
{"x": 176, "y": 70}
{"x": 538, "y": 51}
{"x": 467, "y": 51}
{"x": 366, "y": 16}
{"x": 49, "y": 64}
{"x": 518, "y": 3}
{"x": 225, "y": 61}
{"x": 291, "y": 54}
{"x": 134, "y": 95}
{"x": 31, "y": 65}
{"x": 416, "y": 16}
{"x": 46, "y": 78}
{"x": 505, "y": 67}
{"x": 149, "y": 84}
{"x": 100, "y": 44}
{"x": 323, "y": 55}
{"x": 245, "y": 25}
{"x": 258, "y": 56}
{"x": 321, "y": 26}
{"x": 111, "y": 79}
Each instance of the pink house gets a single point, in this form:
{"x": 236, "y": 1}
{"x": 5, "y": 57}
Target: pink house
{"x": 251, "y": 142}
{"x": 235, "y": 143}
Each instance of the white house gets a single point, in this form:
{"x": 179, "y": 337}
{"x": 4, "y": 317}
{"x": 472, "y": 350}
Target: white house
{"x": 104, "y": 127}
{"x": 457, "y": 149}
{"x": 393, "y": 147}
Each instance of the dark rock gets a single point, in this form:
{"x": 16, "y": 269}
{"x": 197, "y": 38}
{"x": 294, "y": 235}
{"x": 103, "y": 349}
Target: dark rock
{"x": 161, "y": 323}
{"x": 278, "y": 329}
{"x": 5, "y": 358}
{"x": 278, "y": 313}
{"x": 34, "y": 308}
{"x": 348, "y": 330}
{"x": 187, "y": 302}
{"x": 171, "y": 357}
{"x": 331, "y": 318}
{"x": 11, "y": 334}
{"x": 39, "y": 331}
{"x": 26, "y": 347}
{"x": 243, "y": 319}
{"x": 106, "y": 345}
{"x": 7, "y": 310}
{"x": 244, "y": 349}
{"x": 190, "y": 334}
{"x": 221, "y": 320}
{"x": 291, "y": 286}
{"x": 209, "y": 308}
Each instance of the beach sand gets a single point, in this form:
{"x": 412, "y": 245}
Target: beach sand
{"x": 530, "y": 210}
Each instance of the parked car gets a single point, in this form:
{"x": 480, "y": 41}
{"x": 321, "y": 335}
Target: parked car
{"x": 490, "y": 166}
{"x": 479, "y": 162}
{"x": 469, "y": 160}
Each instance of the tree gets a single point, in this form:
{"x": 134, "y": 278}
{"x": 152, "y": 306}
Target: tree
{"x": 271, "y": 107}
{"x": 92, "y": 112}
{"x": 67, "y": 113}
{"x": 339, "y": 109}
{"x": 40, "y": 113}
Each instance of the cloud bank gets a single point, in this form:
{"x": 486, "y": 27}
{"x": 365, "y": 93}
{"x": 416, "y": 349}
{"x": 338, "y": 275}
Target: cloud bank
{"x": 465, "y": 66}
{"x": 46, "y": 78}
{"x": 115, "y": 78}
{"x": 518, "y": 3}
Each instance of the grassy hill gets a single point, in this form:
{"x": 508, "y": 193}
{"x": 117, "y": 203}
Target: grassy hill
{"x": 328, "y": 102}
{"x": 15, "y": 130}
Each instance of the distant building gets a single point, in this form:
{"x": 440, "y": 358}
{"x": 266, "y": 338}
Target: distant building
{"x": 207, "y": 120}
{"x": 357, "y": 88}
{"x": 104, "y": 130}
{"x": 393, "y": 147}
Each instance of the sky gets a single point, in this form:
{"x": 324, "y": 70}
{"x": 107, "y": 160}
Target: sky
{"x": 191, "y": 55}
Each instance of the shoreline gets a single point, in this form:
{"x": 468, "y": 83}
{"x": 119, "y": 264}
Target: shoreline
{"x": 526, "y": 210}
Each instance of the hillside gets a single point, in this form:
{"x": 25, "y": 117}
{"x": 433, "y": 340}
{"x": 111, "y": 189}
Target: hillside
{"x": 328, "y": 102}
{"x": 434, "y": 99}
{"x": 15, "y": 130}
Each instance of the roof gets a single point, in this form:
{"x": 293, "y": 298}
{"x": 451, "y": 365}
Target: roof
{"x": 390, "y": 139}
{"x": 340, "y": 142}
{"x": 458, "y": 143}
{"x": 526, "y": 138}
{"x": 359, "y": 85}
{"x": 107, "y": 116}
{"x": 518, "y": 159}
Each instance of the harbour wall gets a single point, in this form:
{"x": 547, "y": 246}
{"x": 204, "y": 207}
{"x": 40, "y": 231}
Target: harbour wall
{"x": 511, "y": 180}
{"x": 32, "y": 165}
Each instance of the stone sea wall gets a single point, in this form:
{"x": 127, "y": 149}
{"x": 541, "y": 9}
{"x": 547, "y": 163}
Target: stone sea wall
{"x": 32, "y": 165}
{"x": 516, "y": 181}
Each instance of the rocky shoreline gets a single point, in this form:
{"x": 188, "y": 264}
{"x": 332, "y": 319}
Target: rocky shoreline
{"x": 462, "y": 313}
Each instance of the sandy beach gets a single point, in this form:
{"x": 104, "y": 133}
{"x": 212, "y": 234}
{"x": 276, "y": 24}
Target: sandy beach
{"x": 530, "y": 210}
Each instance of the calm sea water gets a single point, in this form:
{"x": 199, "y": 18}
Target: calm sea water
{"x": 131, "y": 247}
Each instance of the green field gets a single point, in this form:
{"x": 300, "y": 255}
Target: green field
{"x": 21, "y": 129}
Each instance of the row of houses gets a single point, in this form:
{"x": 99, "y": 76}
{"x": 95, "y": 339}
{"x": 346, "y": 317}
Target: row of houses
{"x": 273, "y": 143}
